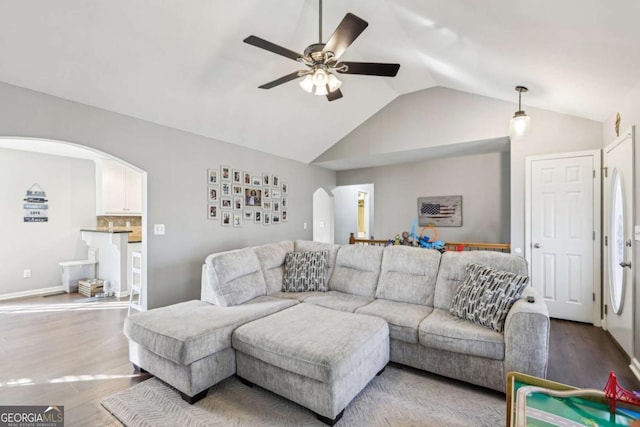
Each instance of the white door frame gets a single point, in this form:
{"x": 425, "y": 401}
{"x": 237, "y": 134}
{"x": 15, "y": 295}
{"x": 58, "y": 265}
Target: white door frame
{"x": 597, "y": 218}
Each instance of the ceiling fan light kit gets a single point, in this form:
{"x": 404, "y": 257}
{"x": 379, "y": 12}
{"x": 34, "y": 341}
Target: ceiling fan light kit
{"x": 520, "y": 122}
{"x": 323, "y": 59}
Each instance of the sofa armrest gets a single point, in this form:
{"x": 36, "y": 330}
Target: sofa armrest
{"x": 526, "y": 336}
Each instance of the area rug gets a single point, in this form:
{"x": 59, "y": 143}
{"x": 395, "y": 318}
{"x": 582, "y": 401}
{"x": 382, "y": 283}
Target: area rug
{"x": 399, "y": 397}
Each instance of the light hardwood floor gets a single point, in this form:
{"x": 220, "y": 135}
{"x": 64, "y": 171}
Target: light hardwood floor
{"x": 55, "y": 351}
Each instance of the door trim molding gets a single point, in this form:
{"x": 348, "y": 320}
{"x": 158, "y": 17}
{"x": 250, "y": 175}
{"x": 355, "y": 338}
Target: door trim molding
{"x": 597, "y": 218}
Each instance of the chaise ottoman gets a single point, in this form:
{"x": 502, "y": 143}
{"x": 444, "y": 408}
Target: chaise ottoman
{"x": 317, "y": 357}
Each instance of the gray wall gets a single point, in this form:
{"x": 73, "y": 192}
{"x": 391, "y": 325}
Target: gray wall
{"x": 482, "y": 180}
{"x": 432, "y": 118}
{"x": 176, "y": 163}
{"x": 70, "y": 187}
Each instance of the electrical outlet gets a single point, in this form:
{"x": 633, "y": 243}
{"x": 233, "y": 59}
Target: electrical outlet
{"x": 158, "y": 228}
{"x": 26, "y": 274}
{"x": 304, "y": 225}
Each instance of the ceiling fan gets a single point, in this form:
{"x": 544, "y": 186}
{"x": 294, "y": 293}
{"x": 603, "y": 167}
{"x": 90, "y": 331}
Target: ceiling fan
{"x": 322, "y": 59}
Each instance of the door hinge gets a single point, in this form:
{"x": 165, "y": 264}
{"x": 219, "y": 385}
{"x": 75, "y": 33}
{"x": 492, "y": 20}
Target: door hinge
{"x": 594, "y": 173}
{"x": 605, "y": 172}
{"x": 606, "y": 240}
{"x": 594, "y": 296}
{"x": 605, "y": 309}
{"x": 594, "y": 235}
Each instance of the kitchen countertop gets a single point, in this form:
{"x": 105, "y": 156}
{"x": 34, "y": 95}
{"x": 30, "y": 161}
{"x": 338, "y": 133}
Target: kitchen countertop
{"x": 106, "y": 230}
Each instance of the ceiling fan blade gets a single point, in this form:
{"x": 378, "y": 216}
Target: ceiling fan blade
{"x": 371, "y": 68}
{"x": 348, "y": 30}
{"x": 281, "y": 80}
{"x": 332, "y": 96}
{"x": 271, "y": 47}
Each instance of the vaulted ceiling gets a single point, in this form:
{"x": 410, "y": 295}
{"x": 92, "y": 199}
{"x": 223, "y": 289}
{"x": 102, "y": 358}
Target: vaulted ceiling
{"x": 183, "y": 63}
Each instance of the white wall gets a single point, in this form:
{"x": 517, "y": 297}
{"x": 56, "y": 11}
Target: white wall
{"x": 71, "y": 193}
{"x": 346, "y": 203}
{"x": 629, "y": 109}
{"x": 176, "y": 163}
{"x": 482, "y": 180}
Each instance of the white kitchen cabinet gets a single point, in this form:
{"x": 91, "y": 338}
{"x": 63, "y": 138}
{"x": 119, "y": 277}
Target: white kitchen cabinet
{"x": 119, "y": 189}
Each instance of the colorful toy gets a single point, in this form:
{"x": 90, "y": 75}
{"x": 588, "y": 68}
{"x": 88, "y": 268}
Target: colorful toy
{"x": 424, "y": 241}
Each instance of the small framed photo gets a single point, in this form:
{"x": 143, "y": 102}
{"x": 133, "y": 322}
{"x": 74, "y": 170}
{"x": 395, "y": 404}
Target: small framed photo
{"x": 237, "y": 176}
{"x": 237, "y": 220}
{"x": 256, "y": 181}
{"x": 226, "y": 218}
{"x": 266, "y": 179}
{"x": 257, "y": 217}
{"x": 266, "y": 218}
{"x": 212, "y": 192}
{"x": 212, "y": 211}
{"x": 237, "y": 190}
{"x": 247, "y": 178}
{"x": 285, "y": 202}
{"x": 284, "y": 215}
{"x": 285, "y": 189}
{"x": 225, "y": 173}
{"x": 237, "y": 203}
{"x": 226, "y": 202}
{"x": 266, "y": 205}
{"x": 275, "y": 181}
{"x": 252, "y": 197}
{"x": 266, "y": 192}
{"x": 212, "y": 175}
{"x": 226, "y": 189}
{"x": 248, "y": 214}
{"x": 275, "y": 219}
{"x": 276, "y": 193}
{"x": 276, "y": 205}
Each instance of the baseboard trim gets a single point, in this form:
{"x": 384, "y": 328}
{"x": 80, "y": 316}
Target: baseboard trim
{"x": 635, "y": 368}
{"x": 32, "y": 293}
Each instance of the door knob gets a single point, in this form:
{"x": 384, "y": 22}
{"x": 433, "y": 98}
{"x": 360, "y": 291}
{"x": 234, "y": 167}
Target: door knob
{"x": 625, "y": 264}
{"x": 536, "y": 245}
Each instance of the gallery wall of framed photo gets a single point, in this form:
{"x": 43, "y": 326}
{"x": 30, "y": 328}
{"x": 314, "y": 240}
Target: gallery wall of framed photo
{"x": 237, "y": 198}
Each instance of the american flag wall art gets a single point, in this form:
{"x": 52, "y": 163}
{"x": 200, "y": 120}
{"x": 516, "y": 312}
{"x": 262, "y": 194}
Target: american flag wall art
{"x": 441, "y": 211}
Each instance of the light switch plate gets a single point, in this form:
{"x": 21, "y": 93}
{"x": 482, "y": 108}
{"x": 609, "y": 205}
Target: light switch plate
{"x": 158, "y": 229}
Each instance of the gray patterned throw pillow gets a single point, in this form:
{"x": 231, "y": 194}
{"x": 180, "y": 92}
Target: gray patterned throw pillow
{"x": 486, "y": 295}
{"x": 305, "y": 271}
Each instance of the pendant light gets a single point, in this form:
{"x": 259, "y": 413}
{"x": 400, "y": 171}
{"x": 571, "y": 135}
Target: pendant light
{"x": 520, "y": 122}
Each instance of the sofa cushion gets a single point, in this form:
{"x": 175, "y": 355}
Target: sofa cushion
{"x": 453, "y": 265}
{"x": 298, "y": 296}
{"x": 305, "y": 271}
{"x": 444, "y": 331}
{"x": 233, "y": 277}
{"x": 408, "y": 274}
{"x": 338, "y": 301}
{"x": 313, "y": 341}
{"x": 192, "y": 330}
{"x": 403, "y": 318}
{"x": 357, "y": 270}
{"x": 271, "y": 259}
{"x": 486, "y": 295}
{"x": 308, "y": 245}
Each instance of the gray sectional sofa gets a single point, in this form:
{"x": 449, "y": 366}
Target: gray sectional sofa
{"x": 321, "y": 348}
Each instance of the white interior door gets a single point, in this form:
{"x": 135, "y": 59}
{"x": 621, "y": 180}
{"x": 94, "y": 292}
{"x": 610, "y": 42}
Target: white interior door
{"x": 618, "y": 231}
{"x": 561, "y": 241}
